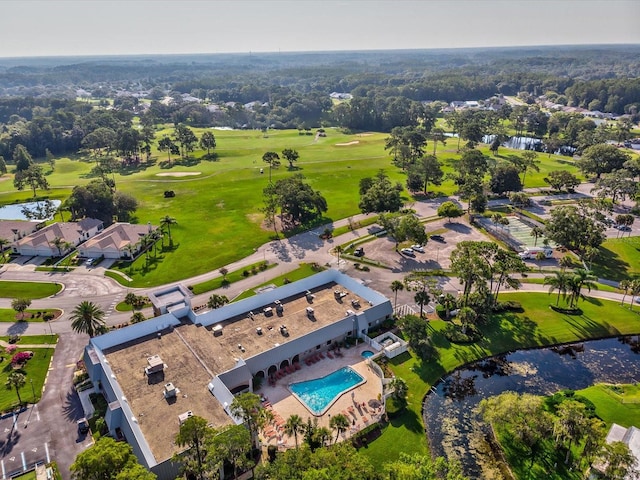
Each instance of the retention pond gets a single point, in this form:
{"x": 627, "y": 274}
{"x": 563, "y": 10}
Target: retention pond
{"x": 455, "y": 431}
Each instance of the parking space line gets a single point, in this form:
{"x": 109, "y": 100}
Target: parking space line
{"x": 24, "y": 461}
{"x": 46, "y": 448}
{"x": 4, "y": 473}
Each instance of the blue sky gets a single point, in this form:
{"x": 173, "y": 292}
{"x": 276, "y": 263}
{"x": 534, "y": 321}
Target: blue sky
{"x": 97, "y": 27}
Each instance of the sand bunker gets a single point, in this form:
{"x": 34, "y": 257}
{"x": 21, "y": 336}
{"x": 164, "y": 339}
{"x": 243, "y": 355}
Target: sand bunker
{"x": 177, "y": 174}
{"x": 355, "y": 142}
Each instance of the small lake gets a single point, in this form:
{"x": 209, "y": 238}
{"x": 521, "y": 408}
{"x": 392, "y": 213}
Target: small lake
{"x": 15, "y": 211}
{"x": 454, "y": 430}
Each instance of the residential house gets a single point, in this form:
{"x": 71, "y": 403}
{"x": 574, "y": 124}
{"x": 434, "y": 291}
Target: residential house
{"x": 67, "y": 235}
{"x": 631, "y": 438}
{"x": 120, "y": 240}
{"x": 14, "y": 230}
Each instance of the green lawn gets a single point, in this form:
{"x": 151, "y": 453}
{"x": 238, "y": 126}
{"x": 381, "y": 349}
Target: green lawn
{"x": 615, "y": 404}
{"x": 303, "y": 271}
{"x": 34, "y": 339}
{"x": 619, "y": 259}
{"x": 231, "y": 277}
{"x": 35, "y": 372}
{"x": 218, "y": 210}
{"x": 601, "y": 287}
{"x": 537, "y": 325}
{"x": 10, "y": 315}
{"x": 10, "y": 289}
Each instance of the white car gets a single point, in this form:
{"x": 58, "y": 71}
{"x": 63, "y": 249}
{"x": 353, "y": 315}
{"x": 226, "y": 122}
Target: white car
{"x": 417, "y": 248}
{"x": 408, "y": 252}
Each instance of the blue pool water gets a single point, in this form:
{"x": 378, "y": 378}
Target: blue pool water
{"x": 367, "y": 354}
{"x": 318, "y": 394}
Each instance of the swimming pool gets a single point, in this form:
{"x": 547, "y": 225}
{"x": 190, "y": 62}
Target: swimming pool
{"x": 367, "y": 354}
{"x": 318, "y": 395}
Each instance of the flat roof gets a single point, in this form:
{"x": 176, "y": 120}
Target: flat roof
{"x": 194, "y": 355}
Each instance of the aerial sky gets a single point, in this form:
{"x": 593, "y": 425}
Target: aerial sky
{"x": 99, "y": 27}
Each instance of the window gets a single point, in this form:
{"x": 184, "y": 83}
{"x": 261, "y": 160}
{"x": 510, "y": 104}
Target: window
{"x": 328, "y": 342}
{"x": 317, "y": 347}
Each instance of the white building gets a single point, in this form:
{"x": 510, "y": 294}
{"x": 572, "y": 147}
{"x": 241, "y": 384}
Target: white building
{"x": 211, "y": 357}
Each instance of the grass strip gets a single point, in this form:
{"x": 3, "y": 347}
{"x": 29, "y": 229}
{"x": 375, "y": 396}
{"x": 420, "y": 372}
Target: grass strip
{"x": 303, "y": 271}
{"x": 231, "y": 277}
{"x": 11, "y": 289}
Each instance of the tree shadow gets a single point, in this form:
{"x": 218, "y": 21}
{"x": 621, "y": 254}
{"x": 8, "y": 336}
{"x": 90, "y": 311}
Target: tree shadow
{"x": 610, "y": 265}
{"x": 18, "y": 328}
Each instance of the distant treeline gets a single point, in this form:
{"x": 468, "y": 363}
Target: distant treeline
{"x": 40, "y": 106}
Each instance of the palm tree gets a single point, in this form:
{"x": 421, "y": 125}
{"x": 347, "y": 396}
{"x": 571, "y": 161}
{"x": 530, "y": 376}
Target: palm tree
{"x": 217, "y": 301}
{"x": 59, "y": 243}
{"x": 528, "y": 161}
{"x": 339, "y": 423}
{"x": 581, "y": 278}
{"x": 88, "y": 318}
{"x": 624, "y": 285}
{"x": 339, "y": 250}
{"x": 565, "y": 262}
{"x": 138, "y": 317}
{"x": 400, "y": 390}
{"x": 3, "y": 242}
{"x": 167, "y": 221}
{"x": 536, "y": 232}
{"x": 16, "y": 380}
{"x": 559, "y": 281}
{"x": 421, "y": 298}
{"x": 634, "y": 288}
{"x": 293, "y": 426}
{"x": 396, "y": 286}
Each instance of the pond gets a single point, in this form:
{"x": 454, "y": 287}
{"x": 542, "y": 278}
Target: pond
{"x": 17, "y": 211}
{"x": 455, "y": 431}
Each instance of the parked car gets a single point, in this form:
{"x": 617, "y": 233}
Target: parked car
{"x": 359, "y": 252}
{"x": 408, "y": 252}
{"x": 83, "y": 425}
{"x": 89, "y": 262}
{"x": 623, "y": 228}
{"x": 417, "y": 248}
{"x": 437, "y": 238}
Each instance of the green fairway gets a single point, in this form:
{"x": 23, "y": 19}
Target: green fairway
{"x": 619, "y": 259}
{"x": 538, "y": 325}
{"x": 29, "y": 290}
{"x": 218, "y": 208}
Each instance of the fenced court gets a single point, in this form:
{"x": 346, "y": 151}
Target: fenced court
{"x": 517, "y": 233}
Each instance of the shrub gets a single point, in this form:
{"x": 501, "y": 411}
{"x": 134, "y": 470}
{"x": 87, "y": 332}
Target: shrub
{"x": 14, "y": 338}
{"x": 11, "y": 348}
{"x": 21, "y": 357}
{"x": 245, "y": 273}
{"x": 48, "y": 316}
{"x": 286, "y": 280}
{"x": 455, "y": 334}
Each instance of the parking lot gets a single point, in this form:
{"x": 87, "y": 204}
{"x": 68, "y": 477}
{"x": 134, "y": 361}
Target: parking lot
{"x": 24, "y": 442}
{"x": 436, "y": 254}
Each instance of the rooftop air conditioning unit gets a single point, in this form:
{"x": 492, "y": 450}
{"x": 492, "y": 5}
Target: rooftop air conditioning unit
{"x": 169, "y": 390}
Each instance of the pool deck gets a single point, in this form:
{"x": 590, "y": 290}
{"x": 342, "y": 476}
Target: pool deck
{"x": 284, "y": 404}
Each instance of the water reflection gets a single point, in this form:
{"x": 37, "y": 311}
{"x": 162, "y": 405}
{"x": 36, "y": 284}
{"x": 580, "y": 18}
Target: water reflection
{"x": 453, "y": 429}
